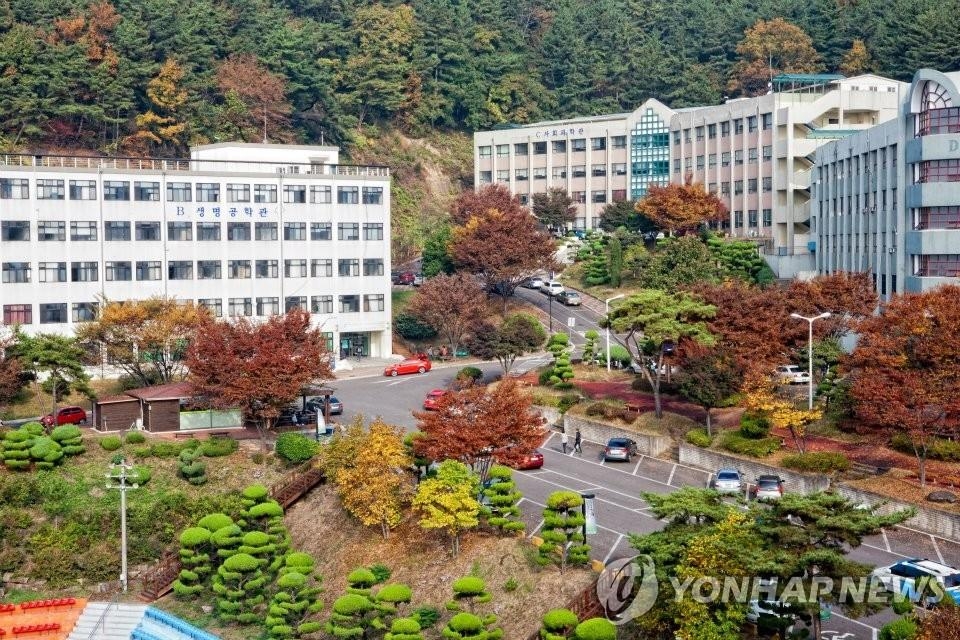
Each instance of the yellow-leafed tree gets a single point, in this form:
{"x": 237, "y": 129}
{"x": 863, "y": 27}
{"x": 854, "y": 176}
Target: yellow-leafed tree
{"x": 449, "y": 501}
{"x": 759, "y": 398}
{"x": 376, "y": 485}
{"x": 161, "y": 126}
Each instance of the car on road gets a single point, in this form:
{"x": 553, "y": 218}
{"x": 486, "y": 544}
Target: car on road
{"x": 433, "y": 397}
{"x": 410, "y": 365}
{"x": 317, "y": 405}
{"x": 569, "y": 298}
{"x": 768, "y": 487}
{"x": 417, "y": 280}
{"x": 901, "y": 577}
{"x": 534, "y": 283}
{"x": 727, "y": 481}
{"x": 621, "y": 449}
{"x": 791, "y": 374}
{"x": 552, "y": 288}
{"x": 65, "y": 415}
{"x": 533, "y": 460}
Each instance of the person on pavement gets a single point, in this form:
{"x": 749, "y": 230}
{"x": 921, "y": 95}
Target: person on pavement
{"x": 576, "y": 443}
{"x": 564, "y": 440}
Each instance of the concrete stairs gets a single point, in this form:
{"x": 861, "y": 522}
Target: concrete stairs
{"x": 160, "y": 625}
{"x": 118, "y": 623}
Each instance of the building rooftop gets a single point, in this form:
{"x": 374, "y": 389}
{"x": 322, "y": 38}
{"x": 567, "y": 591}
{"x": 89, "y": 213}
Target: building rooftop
{"x": 172, "y": 391}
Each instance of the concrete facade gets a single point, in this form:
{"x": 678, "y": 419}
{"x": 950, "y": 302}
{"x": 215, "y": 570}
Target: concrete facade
{"x": 247, "y": 230}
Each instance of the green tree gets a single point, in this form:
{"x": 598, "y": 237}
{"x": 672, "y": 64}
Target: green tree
{"x": 562, "y": 532}
{"x": 59, "y": 360}
{"x": 499, "y": 499}
{"x": 448, "y": 501}
{"x": 615, "y": 264}
{"x": 519, "y": 333}
{"x": 558, "y": 624}
{"x": 709, "y": 378}
{"x": 741, "y": 259}
{"x": 590, "y": 345}
{"x": 676, "y": 263}
{"x": 436, "y": 253}
{"x": 624, "y": 214}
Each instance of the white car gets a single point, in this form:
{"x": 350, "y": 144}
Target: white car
{"x": 901, "y": 577}
{"x": 534, "y": 283}
{"x": 727, "y": 481}
{"x": 756, "y": 608}
{"x": 552, "y": 288}
{"x": 792, "y": 374}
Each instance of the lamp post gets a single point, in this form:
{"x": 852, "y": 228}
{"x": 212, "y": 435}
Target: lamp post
{"x": 119, "y": 481}
{"x": 606, "y": 308}
{"x": 810, "y": 321}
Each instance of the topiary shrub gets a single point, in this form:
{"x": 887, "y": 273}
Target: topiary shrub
{"x": 217, "y": 447}
{"x": 558, "y": 624}
{"x": 352, "y": 614}
{"x": 360, "y": 581}
{"x": 296, "y": 598}
{"x": 226, "y": 540}
{"x": 111, "y": 443}
{"x": 45, "y": 452}
{"x": 469, "y": 589}
{"x": 901, "y": 629}
{"x": 190, "y": 469}
{"x": 215, "y": 521}
{"x": 70, "y": 439}
{"x": 499, "y": 500}
{"x": 135, "y": 437}
{"x": 239, "y": 583}
{"x": 817, "y": 461}
{"x": 195, "y": 562}
{"x": 699, "y": 438}
{"x": 469, "y": 374}
{"x": 562, "y": 531}
{"x": 296, "y": 448}
{"x": 596, "y": 629}
{"x": 404, "y": 629}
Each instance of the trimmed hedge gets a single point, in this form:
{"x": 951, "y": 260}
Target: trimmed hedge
{"x": 111, "y": 443}
{"x": 217, "y": 447}
{"x": 296, "y": 448}
{"x": 135, "y": 437}
{"x": 734, "y": 442}
{"x": 699, "y": 438}
{"x": 596, "y": 629}
{"x": 469, "y": 373}
{"x": 817, "y": 461}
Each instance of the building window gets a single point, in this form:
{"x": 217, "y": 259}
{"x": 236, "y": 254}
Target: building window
{"x": 320, "y": 194}
{"x": 938, "y": 171}
{"x": 348, "y": 195}
{"x": 238, "y": 231}
{"x": 724, "y": 188}
{"x": 84, "y": 272}
{"x": 208, "y": 192}
{"x": 16, "y": 272}
{"x": 209, "y": 270}
{"x": 238, "y": 192}
{"x": 619, "y": 195}
{"x": 751, "y": 123}
{"x": 372, "y": 195}
{"x": 55, "y": 313}
{"x": 521, "y": 149}
{"x": 598, "y": 197}
{"x": 539, "y": 173}
{"x": 294, "y": 230}
{"x": 18, "y": 189}
{"x": 737, "y": 187}
{"x": 265, "y": 230}
{"x": 938, "y": 121}
{"x": 752, "y": 218}
{"x": 559, "y": 173}
{"x": 321, "y": 231}
{"x": 213, "y": 305}
{"x": 578, "y": 144}
{"x": 208, "y": 231}
{"x": 116, "y": 230}
{"x": 712, "y": 160}
{"x": 147, "y": 230}
{"x": 738, "y": 125}
{"x": 686, "y": 135}
{"x": 14, "y": 314}
{"x": 559, "y": 146}
{"x": 503, "y": 175}
{"x": 937, "y": 266}
{"x": 83, "y": 189}
{"x": 619, "y": 168}
{"x": 503, "y": 150}
{"x": 521, "y": 174}
{"x": 768, "y": 217}
{"x": 676, "y": 137}
{"x": 179, "y": 192}
{"x": 294, "y": 302}
{"x": 579, "y": 171}
{"x": 350, "y": 304}
{"x": 676, "y": 165}
{"x": 738, "y": 157}
{"x": 295, "y": 268}
{"x": 724, "y": 129}
{"x": 767, "y": 184}
{"x": 321, "y": 268}
{"x": 767, "y": 152}
{"x": 239, "y": 307}
{"x": 148, "y": 270}
{"x": 752, "y": 155}
{"x": 321, "y": 304}
{"x": 486, "y": 177}
{"x": 268, "y": 269}
{"x": 268, "y": 306}
{"x": 598, "y": 170}
{"x": 373, "y": 267}
{"x": 700, "y": 163}
{"x": 238, "y": 269}
{"x": 348, "y": 267}
{"x": 180, "y": 270}
{"x": 49, "y": 189}
{"x": 348, "y": 231}
{"x": 117, "y": 271}
{"x": 578, "y": 197}
{"x": 699, "y": 133}
{"x": 598, "y": 144}
{"x": 937, "y": 218}
{"x": 485, "y": 151}
{"x": 146, "y": 191}
{"x": 373, "y": 231}
{"x": 725, "y": 159}
{"x": 618, "y": 142}
{"x": 738, "y": 219}
{"x": 52, "y": 272}
{"x": 265, "y": 193}
{"x": 711, "y": 131}
{"x": 179, "y": 231}
{"x": 766, "y": 120}
{"x": 524, "y": 199}
{"x": 752, "y": 185}
{"x": 539, "y": 148}
{"x": 373, "y": 302}
{"x": 295, "y": 193}
{"x": 51, "y": 231}
{"x": 116, "y": 190}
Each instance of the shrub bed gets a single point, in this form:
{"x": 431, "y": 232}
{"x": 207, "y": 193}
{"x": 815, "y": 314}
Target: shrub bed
{"x": 818, "y": 461}
{"x": 938, "y": 450}
{"x": 699, "y": 438}
{"x": 734, "y": 442}
{"x": 111, "y": 443}
{"x": 135, "y": 437}
{"x": 295, "y": 447}
{"x": 217, "y": 447}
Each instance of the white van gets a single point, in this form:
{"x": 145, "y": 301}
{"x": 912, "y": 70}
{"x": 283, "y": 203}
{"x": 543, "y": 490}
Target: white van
{"x": 552, "y": 288}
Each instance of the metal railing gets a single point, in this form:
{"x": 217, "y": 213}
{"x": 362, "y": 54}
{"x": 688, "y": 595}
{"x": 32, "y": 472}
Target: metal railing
{"x": 114, "y": 601}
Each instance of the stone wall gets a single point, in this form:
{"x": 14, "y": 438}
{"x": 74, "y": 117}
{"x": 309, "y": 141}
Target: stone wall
{"x": 551, "y": 414}
{"x": 934, "y": 521}
{"x": 803, "y": 483}
{"x": 647, "y": 444}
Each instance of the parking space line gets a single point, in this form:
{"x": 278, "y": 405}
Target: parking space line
{"x": 672, "y": 471}
{"x": 936, "y": 548}
{"x": 611, "y": 503}
{"x": 886, "y": 541}
{"x": 613, "y": 548}
{"x": 595, "y": 488}
{"x": 893, "y": 553}
{"x": 597, "y": 464}
{"x": 862, "y": 624}
{"x": 599, "y": 526}
{"x": 637, "y": 466}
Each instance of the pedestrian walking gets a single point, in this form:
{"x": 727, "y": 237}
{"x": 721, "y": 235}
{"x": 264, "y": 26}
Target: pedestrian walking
{"x": 577, "y": 439}
{"x": 564, "y": 440}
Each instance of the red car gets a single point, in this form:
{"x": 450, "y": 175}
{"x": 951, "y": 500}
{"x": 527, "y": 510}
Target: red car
{"x": 410, "y": 365}
{"x": 66, "y": 415}
{"x": 430, "y": 402}
{"x": 530, "y": 461}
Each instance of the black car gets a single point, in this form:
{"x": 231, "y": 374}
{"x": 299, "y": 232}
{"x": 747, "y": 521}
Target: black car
{"x": 317, "y": 405}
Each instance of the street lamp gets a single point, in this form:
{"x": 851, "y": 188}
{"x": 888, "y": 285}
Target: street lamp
{"x": 810, "y": 321}
{"x": 118, "y": 481}
{"x": 606, "y": 308}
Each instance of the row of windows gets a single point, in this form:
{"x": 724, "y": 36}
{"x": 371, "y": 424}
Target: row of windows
{"x": 55, "y": 189}
{"x": 21, "y": 272}
{"x": 56, "y": 313}
{"x": 937, "y": 218}
{"x": 934, "y": 121}
{"x": 937, "y": 171}
{"x": 752, "y": 218}
{"x": 711, "y": 160}
{"x": 56, "y": 231}
{"x": 710, "y": 130}
{"x": 558, "y": 146}
{"x": 767, "y": 184}
{"x": 937, "y": 266}
{"x": 540, "y": 173}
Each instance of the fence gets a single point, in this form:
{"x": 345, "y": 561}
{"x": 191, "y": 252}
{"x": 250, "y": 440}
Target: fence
{"x": 211, "y": 419}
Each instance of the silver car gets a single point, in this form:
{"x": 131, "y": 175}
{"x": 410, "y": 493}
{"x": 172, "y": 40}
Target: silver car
{"x": 727, "y": 481}
{"x": 768, "y": 487}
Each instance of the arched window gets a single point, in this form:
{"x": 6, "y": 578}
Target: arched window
{"x": 937, "y": 113}
{"x": 934, "y": 97}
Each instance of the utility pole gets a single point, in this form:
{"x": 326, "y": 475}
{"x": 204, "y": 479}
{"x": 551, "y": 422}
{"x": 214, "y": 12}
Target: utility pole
{"x": 118, "y": 481}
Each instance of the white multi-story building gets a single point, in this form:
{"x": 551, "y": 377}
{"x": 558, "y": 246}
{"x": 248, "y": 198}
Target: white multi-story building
{"x": 246, "y": 230}
{"x": 886, "y": 200}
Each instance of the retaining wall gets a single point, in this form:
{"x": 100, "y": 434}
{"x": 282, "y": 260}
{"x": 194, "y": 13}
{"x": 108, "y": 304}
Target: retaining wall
{"x": 939, "y": 523}
{"x": 647, "y": 444}
{"x": 803, "y": 483}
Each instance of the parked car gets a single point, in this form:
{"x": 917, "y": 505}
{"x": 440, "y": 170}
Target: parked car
{"x": 767, "y": 610}
{"x": 410, "y": 365}
{"x": 417, "y": 280}
{"x": 569, "y": 298}
{"x": 901, "y": 577}
{"x": 430, "y": 402}
{"x": 792, "y": 374}
{"x": 768, "y": 487}
{"x": 406, "y": 277}
{"x": 621, "y": 449}
{"x": 532, "y": 460}
{"x": 317, "y": 405}
{"x": 65, "y": 415}
{"x": 727, "y": 481}
{"x": 534, "y": 283}
{"x": 552, "y": 288}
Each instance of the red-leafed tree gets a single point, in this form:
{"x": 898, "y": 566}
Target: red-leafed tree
{"x": 849, "y": 297}
{"x": 477, "y": 421}
{"x": 681, "y": 207}
{"x": 259, "y": 368}
{"x": 905, "y": 370}
{"x": 451, "y": 305}
{"x": 494, "y": 197}
{"x": 11, "y": 381}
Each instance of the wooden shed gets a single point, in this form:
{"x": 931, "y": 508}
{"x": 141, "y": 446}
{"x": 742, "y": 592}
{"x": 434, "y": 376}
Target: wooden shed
{"x": 156, "y": 408}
